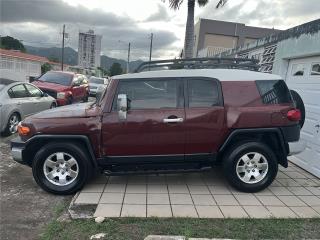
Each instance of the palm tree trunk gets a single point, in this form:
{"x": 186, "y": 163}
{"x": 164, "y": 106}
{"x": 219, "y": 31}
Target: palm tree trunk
{"x": 189, "y": 37}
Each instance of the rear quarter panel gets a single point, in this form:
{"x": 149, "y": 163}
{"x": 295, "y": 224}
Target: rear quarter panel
{"x": 244, "y": 107}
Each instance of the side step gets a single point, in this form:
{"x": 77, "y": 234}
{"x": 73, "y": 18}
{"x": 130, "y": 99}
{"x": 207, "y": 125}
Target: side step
{"x": 150, "y": 171}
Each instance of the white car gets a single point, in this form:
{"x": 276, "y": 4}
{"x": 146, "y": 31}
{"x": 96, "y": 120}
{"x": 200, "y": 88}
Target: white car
{"x": 95, "y": 83}
{"x": 19, "y": 100}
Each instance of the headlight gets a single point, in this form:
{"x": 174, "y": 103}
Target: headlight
{"x": 61, "y": 95}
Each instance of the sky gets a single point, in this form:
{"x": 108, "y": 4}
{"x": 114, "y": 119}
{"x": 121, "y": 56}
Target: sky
{"x": 39, "y": 22}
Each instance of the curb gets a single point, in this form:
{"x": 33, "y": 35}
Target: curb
{"x": 81, "y": 211}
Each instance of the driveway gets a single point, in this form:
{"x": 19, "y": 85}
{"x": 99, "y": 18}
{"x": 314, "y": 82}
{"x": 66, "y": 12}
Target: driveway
{"x": 294, "y": 194}
{"x": 25, "y": 208}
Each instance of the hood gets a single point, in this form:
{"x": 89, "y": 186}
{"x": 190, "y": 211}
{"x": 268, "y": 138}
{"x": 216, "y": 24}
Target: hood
{"x": 50, "y": 86}
{"x": 79, "y": 110}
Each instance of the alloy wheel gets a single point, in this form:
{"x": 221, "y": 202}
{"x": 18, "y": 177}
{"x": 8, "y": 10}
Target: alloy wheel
{"x": 13, "y": 123}
{"x": 60, "y": 168}
{"x": 252, "y": 167}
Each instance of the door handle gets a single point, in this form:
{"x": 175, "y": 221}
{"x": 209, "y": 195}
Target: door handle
{"x": 173, "y": 120}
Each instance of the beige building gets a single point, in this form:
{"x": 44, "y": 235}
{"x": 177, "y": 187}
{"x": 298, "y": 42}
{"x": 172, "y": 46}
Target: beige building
{"x": 89, "y": 50}
{"x": 213, "y": 37}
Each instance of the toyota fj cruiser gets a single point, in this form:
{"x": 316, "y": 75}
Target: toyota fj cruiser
{"x": 162, "y": 121}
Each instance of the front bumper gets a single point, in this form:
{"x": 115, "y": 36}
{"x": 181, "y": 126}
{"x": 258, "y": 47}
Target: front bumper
{"x": 296, "y": 147}
{"x": 93, "y": 91}
{"x": 17, "y": 150}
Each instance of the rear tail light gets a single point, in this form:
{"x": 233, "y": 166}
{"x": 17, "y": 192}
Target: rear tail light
{"x": 294, "y": 115}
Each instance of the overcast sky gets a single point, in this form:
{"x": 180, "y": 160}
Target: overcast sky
{"x": 39, "y": 22}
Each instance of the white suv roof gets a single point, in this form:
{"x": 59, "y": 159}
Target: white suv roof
{"x": 220, "y": 74}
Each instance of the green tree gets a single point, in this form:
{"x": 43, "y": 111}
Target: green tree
{"x": 115, "y": 69}
{"x": 11, "y": 43}
{"x": 104, "y": 72}
{"x": 45, "y": 68}
{"x": 189, "y": 35}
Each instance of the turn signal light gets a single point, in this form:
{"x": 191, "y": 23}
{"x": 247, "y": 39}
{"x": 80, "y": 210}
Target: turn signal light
{"x": 294, "y": 115}
{"x": 23, "y": 130}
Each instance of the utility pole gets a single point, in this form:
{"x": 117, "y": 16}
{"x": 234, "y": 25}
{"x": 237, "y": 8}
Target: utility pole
{"x": 128, "y": 62}
{"x": 150, "y": 54}
{"x": 62, "y": 50}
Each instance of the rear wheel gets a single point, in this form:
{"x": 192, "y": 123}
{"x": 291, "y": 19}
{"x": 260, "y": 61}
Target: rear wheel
{"x": 250, "y": 166}
{"x": 53, "y": 105}
{"x": 61, "y": 168}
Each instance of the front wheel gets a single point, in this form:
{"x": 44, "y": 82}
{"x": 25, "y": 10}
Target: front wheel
{"x": 250, "y": 166}
{"x": 86, "y": 97}
{"x": 61, "y": 168}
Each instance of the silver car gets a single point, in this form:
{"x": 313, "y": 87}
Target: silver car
{"x": 95, "y": 83}
{"x": 19, "y": 100}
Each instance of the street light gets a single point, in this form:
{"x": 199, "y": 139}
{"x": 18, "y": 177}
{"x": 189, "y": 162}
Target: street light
{"x": 128, "y": 61}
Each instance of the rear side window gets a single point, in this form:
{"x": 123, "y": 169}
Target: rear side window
{"x": 203, "y": 93}
{"x": 274, "y": 91}
{"x": 150, "y": 94}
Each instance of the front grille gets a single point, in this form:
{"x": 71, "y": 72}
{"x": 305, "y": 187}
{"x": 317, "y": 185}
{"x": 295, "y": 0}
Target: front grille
{"x": 50, "y": 92}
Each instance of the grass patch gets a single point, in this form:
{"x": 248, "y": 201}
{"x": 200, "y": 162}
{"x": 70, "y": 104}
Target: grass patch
{"x": 139, "y": 228}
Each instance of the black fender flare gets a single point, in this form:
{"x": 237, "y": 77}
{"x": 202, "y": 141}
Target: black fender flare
{"x": 82, "y": 138}
{"x": 284, "y": 148}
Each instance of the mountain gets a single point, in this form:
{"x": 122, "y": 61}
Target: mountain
{"x": 71, "y": 57}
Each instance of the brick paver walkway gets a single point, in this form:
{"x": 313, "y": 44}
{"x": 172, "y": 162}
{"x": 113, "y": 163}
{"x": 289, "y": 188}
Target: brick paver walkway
{"x": 294, "y": 194}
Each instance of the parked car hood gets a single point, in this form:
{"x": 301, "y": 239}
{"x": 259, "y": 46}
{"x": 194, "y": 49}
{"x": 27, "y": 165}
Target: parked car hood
{"x": 52, "y": 86}
{"x": 79, "y": 110}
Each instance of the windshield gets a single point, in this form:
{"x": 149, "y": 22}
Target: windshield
{"x": 57, "y": 77}
{"x": 96, "y": 80}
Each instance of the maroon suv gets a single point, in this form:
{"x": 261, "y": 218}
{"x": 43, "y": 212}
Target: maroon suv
{"x": 66, "y": 87}
{"x": 167, "y": 121}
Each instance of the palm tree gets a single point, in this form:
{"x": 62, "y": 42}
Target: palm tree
{"x": 189, "y": 36}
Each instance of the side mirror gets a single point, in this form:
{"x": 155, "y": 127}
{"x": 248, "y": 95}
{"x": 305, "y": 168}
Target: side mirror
{"x": 43, "y": 94}
{"x": 122, "y": 105}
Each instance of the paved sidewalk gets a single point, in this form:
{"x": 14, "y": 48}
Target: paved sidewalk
{"x": 294, "y": 194}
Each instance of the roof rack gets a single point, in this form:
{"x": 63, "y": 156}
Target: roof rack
{"x": 201, "y": 63}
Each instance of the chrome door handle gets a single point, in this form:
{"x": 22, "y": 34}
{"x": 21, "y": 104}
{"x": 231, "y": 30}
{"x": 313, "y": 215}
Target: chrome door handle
{"x": 173, "y": 120}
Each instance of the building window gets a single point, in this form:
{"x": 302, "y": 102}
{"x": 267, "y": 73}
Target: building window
{"x": 315, "y": 69}
{"x": 298, "y": 69}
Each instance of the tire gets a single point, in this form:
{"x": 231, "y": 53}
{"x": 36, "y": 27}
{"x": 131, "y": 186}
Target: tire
{"x": 86, "y": 97}
{"x": 300, "y": 105}
{"x": 234, "y": 157}
{"x": 70, "y": 100}
{"x": 12, "y": 124}
{"x": 74, "y": 182}
{"x": 53, "y": 105}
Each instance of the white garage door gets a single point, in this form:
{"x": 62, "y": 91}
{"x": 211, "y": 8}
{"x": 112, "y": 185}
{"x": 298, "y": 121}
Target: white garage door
{"x": 304, "y": 77}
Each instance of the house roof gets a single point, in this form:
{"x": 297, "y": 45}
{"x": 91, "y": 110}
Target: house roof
{"x": 21, "y": 55}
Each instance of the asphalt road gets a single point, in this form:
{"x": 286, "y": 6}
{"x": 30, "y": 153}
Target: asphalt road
{"x": 25, "y": 208}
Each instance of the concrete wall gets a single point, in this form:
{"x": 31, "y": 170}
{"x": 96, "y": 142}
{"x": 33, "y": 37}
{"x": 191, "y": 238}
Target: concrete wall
{"x": 303, "y": 46}
{"x": 239, "y": 30}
